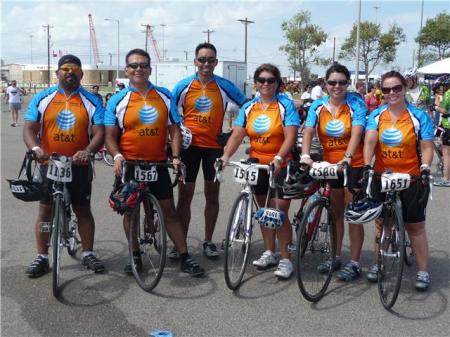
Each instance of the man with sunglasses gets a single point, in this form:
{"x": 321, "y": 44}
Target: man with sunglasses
{"x": 68, "y": 120}
{"x": 202, "y": 100}
{"x": 138, "y": 121}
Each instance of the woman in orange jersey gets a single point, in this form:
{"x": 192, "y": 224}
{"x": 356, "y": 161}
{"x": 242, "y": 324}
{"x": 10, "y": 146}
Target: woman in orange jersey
{"x": 271, "y": 121}
{"x": 340, "y": 119}
{"x": 394, "y": 134}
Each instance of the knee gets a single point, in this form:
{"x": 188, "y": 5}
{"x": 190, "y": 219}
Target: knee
{"x": 416, "y": 230}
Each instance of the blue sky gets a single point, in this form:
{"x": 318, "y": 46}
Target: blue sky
{"x": 186, "y": 20}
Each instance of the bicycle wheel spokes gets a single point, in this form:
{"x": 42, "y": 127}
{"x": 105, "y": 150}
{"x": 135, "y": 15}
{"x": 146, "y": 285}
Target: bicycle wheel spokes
{"x": 390, "y": 261}
{"x": 409, "y": 253}
{"x": 237, "y": 241}
{"x": 73, "y": 240}
{"x": 315, "y": 245}
{"x": 57, "y": 242}
{"x": 147, "y": 227}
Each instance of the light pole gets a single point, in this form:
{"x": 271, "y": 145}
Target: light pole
{"x": 163, "y": 25}
{"x": 246, "y": 23}
{"x": 31, "y": 48}
{"x": 376, "y": 13}
{"x": 357, "y": 44}
{"x": 419, "y": 58}
{"x": 118, "y": 44}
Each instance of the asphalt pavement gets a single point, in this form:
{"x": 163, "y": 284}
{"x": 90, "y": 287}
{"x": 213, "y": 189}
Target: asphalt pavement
{"x": 112, "y": 304}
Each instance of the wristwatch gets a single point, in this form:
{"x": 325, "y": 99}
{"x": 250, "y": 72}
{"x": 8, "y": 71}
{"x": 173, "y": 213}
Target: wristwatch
{"x": 278, "y": 158}
{"x": 348, "y": 155}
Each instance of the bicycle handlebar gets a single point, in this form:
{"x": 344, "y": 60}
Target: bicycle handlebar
{"x": 180, "y": 175}
{"x": 219, "y": 165}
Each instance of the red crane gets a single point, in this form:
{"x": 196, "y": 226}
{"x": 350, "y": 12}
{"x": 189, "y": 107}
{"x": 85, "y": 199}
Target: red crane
{"x": 94, "y": 41}
{"x": 154, "y": 43}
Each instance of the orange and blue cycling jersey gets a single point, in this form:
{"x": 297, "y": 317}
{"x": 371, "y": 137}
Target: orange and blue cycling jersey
{"x": 335, "y": 132}
{"x": 265, "y": 127}
{"x": 398, "y": 143}
{"x": 142, "y": 122}
{"x": 203, "y": 106}
{"x": 66, "y": 121}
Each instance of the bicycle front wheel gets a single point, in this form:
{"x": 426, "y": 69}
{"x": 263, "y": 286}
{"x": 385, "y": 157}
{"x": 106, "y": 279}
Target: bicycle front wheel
{"x": 237, "y": 240}
{"x": 148, "y": 230}
{"x": 391, "y": 253}
{"x": 409, "y": 252}
{"x": 315, "y": 245}
{"x": 57, "y": 224}
{"x": 73, "y": 240}
{"x": 108, "y": 158}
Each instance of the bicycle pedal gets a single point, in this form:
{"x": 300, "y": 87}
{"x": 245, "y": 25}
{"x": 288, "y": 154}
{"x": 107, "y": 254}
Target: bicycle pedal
{"x": 292, "y": 247}
{"x": 45, "y": 227}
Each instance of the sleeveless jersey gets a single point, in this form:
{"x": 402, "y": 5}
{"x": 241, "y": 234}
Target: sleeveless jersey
{"x": 398, "y": 142}
{"x": 423, "y": 101}
{"x": 65, "y": 121}
{"x": 203, "y": 107}
{"x": 445, "y": 104}
{"x": 335, "y": 132}
{"x": 142, "y": 122}
{"x": 265, "y": 128}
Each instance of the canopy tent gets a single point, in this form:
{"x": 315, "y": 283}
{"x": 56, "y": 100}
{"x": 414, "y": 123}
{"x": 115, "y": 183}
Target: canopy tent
{"x": 439, "y": 67}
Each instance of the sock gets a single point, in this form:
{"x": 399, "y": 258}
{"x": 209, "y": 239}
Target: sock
{"x": 184, "y": 256}
{"x": 355, "y": 263}
{"x": 338, "y": 258}
{"x": 87, "y": 253}
{"x": 45, "y": 256}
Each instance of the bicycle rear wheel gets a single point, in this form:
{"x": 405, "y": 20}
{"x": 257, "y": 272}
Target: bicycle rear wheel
{"x": 108, "y": 158}
{"x": 57, "y": 224}
{"x": 148, "y": 228}
{"x": 390, "y": 257}
{"x": 237, "y": 240}
{"x": 315, "y": 245}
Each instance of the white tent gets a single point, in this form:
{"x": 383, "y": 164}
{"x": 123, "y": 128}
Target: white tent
{"x": 439, "y": 67}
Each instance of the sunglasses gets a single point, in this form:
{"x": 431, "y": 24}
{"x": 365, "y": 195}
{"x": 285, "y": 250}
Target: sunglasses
{"x": 396, "y": 89}
{"x": 137, "y": 65}
{"x": 203, "y": 60}
{"x": 262, "y": 80}
{"x": 75, "y": 69}
{"x": 340, "y": 83}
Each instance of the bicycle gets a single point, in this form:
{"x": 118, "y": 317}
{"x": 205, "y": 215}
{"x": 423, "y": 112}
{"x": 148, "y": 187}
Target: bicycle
{"x": 394, "y": 247}
{"x": 104, "y": 155}
{"x": 63, "y": 224}
{"x": 242, "y": 216}
{"x": 316, "y": 237}
{"x": 148, "y": 233}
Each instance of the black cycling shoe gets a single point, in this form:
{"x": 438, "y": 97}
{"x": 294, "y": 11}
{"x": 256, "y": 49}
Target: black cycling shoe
{"x": 38, "y": 267}
{"x": 91, "y": 262}
{"x": 190, "y": 266}
{"x": 137, "y": 261}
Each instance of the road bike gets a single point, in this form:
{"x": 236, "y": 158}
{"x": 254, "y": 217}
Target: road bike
{"x": 316, "y": 236}
{"x": 242, "y": 217}
{"x": 147, "y": 228}
{"x": 394, "y": 248}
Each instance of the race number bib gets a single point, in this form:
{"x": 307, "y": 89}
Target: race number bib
{"x": 324, "y": 170}
{"x": 395, "y": 181}
{"x": 145, "y": 175}
{"x": 246, "y": 173}
{"x": 60, "y": 170}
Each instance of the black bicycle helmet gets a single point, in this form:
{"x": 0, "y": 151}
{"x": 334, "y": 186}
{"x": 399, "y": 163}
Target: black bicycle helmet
{"x": 300, "y": 185}
{"x": 363, "y": 210}
{"x": 26, "y": 190}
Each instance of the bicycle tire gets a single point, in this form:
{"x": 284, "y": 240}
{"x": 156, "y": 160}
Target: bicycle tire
{"x": 409, "y": 253}
{"x": 73, "y": 240}
{"x": 108, "y": 158}
{"x": 237, "y": 241}
{"x": 316, "y": 244}
{"x": 391, "y": 257}
{"x": 151, "y": 238}
{"x": 57, "y": 223}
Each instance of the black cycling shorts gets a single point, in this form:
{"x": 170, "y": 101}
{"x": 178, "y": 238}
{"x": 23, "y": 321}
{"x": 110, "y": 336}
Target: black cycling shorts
{"x": 262, "y": 185}
{"x": 412, "y": 210}
{"x": 161, "y": 189}
{"x": 79, "y": 188}
{"x": 446, "y": 137}
{"x": 192, "y": 156}
{"x": 354, "y": 175}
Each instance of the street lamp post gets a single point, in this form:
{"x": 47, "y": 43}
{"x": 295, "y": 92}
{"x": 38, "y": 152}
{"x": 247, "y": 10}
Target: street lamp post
{"x": 357, "y": 45}
{"x": 31, "y": 48}
{"x": 163, "y": 25}
{"x": 118, "y": 44}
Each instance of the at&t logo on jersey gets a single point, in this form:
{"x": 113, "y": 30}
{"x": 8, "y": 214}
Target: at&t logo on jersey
{"x": 148, "y": 115}
{"x": 261, "y": 124}
{"x": 391, "y": 137}
{"x": 203, "y": 104}
{"x": 335, "y": 128}
{"x": 66, "y": 122}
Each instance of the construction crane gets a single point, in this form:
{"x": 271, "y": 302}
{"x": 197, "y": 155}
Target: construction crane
{"x": 149, "y": 35}
{"x": 94, "y": 41}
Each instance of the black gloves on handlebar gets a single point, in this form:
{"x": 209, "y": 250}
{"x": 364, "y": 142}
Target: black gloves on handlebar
{"x": 424, "y": 185}
{"x": 365, "y": 177}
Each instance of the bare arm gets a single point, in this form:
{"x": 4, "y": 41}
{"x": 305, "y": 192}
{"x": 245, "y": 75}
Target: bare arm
{"x": 426, "y": 147}
{"x": 355, "y": 140}
{"x": 111, "y": 136}
{"x": 370, "y": 142}
{"x": 98, "y": 138}
{"x": 308, "y": 134}
{"x": 233, "y": 142}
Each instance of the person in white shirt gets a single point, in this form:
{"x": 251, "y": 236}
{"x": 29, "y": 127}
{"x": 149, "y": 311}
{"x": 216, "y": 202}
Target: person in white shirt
{"x": 317, "y": 91}
{"x": 13, "y": 96}
{"x": 307, "y": 94}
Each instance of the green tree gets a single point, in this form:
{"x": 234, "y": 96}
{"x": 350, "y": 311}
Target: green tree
{"x": 434, "y": 39}
{"x": 374, "y": 46}
{"x": 303, "y": 41}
